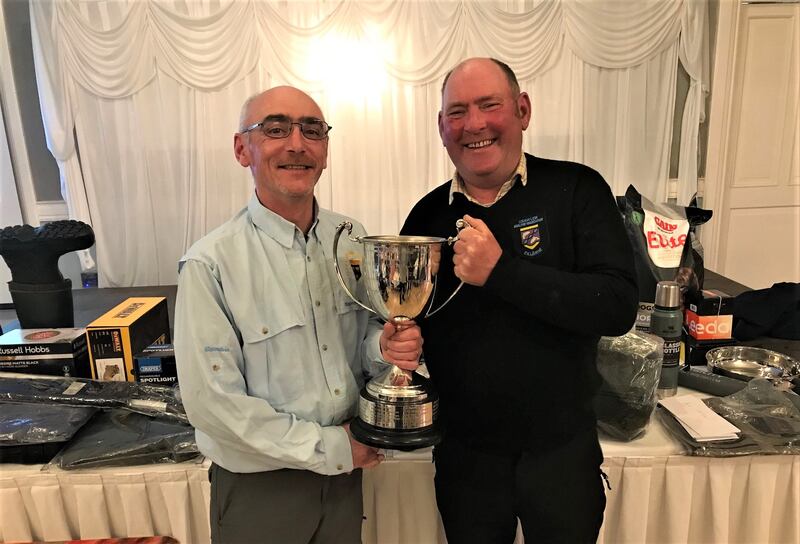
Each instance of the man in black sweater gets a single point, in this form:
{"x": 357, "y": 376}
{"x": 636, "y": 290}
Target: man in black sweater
{"x": 548, "y": 269}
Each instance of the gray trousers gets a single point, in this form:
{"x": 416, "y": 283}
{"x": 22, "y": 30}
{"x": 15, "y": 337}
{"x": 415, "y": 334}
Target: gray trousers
{"x": 285, "y": 507}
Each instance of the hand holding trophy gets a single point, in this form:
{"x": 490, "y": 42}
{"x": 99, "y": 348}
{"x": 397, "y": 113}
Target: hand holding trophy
{"x": 397, "y": 409}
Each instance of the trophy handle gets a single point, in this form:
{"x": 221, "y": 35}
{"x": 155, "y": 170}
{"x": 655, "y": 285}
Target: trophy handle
{"x": 460, "y": 225}
{"x": 349, "y": 226}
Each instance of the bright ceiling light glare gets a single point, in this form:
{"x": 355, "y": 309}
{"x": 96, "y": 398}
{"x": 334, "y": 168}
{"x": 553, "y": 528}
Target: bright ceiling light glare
{"x": 352, "y": 68}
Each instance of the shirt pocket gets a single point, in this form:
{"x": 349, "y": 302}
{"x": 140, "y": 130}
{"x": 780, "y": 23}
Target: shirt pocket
{"x": 345, "y": 304}
{"x": 356, "y": 284}
{"x": 274, "y": 353}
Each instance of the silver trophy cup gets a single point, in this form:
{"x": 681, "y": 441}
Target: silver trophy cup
{"x": 397, "y": 409}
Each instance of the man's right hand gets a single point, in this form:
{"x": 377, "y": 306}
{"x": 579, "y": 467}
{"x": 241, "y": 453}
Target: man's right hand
{"x": 363, "y": 456}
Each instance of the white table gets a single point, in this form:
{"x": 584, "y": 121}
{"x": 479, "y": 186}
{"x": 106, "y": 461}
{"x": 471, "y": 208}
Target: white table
{"x": 658, "y": 495}
{"x": 165, "y": 499}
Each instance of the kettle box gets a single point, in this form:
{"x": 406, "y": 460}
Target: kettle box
{"x": 58, "y": 352}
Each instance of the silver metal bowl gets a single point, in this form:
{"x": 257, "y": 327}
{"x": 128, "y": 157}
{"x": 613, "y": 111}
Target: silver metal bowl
{"x": 746, "y": 363}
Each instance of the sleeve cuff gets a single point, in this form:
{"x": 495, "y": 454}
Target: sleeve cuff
{"x": 373, "y": 359}
{"x": 338, "y": 454}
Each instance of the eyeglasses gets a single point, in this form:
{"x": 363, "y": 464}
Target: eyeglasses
{"x": 313, "y": 129}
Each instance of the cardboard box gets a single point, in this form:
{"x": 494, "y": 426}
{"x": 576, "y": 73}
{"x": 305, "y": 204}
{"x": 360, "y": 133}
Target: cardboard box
{"x": 55, "y": 352}
{"x": 709, "y": 315}
{"x": 643, "y": 315}
{"x": 156, "y": 365}
{"x": 696, "y": 349}
{"x": 123, "y": 331}
{"x": 709, "y": 302}
{"x": 708, "y": 327}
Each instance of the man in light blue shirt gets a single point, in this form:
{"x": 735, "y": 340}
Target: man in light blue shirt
{"x": 271, "y": 352}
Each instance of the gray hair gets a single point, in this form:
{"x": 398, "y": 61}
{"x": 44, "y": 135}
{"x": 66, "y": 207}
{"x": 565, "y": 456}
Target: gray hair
{"x": 244, "y": 111}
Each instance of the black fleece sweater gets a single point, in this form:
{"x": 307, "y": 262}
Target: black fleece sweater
{"x": 514, "y": 361}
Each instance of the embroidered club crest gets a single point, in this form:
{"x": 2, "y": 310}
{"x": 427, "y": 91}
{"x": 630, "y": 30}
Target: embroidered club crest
{"x": 530, "y": 236}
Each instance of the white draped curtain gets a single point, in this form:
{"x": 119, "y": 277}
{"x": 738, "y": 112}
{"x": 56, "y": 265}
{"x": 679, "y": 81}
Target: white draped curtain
{"x": 141, "y": 98}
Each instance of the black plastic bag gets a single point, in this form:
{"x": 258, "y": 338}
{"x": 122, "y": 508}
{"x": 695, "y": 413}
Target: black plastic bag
{"x": 34, "y": 433}
{"x": 151, "y": 400}
{"x": 665, "y": 247}
{"x": 768, "y": 421}
{"x": 630, "y": 366}
{"x": 119, "y": 437}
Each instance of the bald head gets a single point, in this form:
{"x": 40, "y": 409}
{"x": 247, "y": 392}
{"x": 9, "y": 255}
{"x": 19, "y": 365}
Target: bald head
{"x": 259, "y": 105}
{"x": 504, "y": 68}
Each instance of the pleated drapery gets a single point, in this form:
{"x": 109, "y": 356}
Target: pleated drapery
{"x": 148, "y": 93}
{"x": 653, "y": 498}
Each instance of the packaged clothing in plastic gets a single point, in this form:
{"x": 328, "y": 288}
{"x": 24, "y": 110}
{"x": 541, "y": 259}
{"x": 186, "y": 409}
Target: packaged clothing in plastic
{"x": 630, "y": 366}
{"x": 152, "y": 400}
{"x": 118, "y": 437}
{"x": 33, "y": 433}
{"x": 769, "y": 423}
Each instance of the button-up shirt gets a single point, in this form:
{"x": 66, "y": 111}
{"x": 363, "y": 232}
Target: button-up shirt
{"x": 521, "y": 173}
{"x": 271, "y": 351}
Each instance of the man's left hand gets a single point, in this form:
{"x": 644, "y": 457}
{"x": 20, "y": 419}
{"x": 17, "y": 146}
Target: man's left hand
{"x": 402, "y": 345}
{"x": 476, "y": 252}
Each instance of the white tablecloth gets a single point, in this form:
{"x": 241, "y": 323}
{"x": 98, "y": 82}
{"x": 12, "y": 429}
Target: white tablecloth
{"x": 653, "y": 498}
{"x": 657, "y": 495}
{"x": 167, "y": 500}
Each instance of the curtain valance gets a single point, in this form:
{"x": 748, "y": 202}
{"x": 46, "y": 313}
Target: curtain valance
{"x": 210, "y": 52}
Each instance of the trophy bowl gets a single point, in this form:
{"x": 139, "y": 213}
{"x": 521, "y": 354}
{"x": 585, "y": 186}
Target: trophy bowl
{"x": 397, "y": 409}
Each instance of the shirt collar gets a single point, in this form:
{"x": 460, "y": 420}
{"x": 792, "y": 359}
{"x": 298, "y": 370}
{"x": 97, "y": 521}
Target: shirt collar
{"x": 275, "y": 226}
{"x": 457, "y": 183}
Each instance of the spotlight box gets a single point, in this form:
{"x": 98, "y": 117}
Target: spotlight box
{"x": 126, "y": 329}
{"x": 156, "y": 365}
{"x": 55, "y": 352}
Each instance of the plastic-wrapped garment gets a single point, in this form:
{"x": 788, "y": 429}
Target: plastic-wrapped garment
{"x": 152, "y": 400}
{"x": 630, "y": 366}
{"x": 33, "y": 433}
{"x": 770, "y": 423}
{"x": 119, "y": 437}
{"x": 22, "y": 423}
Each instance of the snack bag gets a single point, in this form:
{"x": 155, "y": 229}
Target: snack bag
{"x": 665, "y": 247}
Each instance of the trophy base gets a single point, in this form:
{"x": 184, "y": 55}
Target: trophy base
{"x": 404, "y": 440}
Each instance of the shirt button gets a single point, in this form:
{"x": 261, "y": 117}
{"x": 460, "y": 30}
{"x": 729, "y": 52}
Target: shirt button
{"x": 324, "y": 347}
{"x": 265, "y": 330}
{"x": 337, "y": 392}
{"x": 308, "y": 258}
{"x": 339, "y": 467}
{"x": 317, "y": 303}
